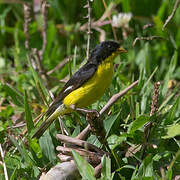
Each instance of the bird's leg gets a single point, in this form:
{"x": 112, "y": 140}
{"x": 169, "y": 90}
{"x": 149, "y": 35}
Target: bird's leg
{"x": 91, "y": 116}
{"x": 96, "y": 125}
{"x": 91, "y": 113}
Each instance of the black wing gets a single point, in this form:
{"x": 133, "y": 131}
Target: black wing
{"x": 77, "y": 80}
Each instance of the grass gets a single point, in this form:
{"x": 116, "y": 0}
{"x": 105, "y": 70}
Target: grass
{"x": 24, "y": 90}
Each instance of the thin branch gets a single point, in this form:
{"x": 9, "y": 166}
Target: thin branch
{"x": 78, "y": 142}
{"x": 82, "y": 135}
{"x": 102, "y": 34}
{"x": 172, "y": 14}
{"x": 35, "y": 55}
{"x": 4, "y": 165}
{"x": 60, "y": 65}
{"x": 149, "y": 25}
{"x": 27, "y": 20}
{"x": 101, "y": 21}
{"x": 89, "y": 27}
{"x": 163, "y": 176}
{"x": 44, "y": 11}
{"x": 116, "y": 97}
{"x": 93, "y": 158}
{"x": 109, "y": 17}
{"x": 97, "y": 170}
{"x": 64, "y": 158}
{"x": 37, "y": 58}
{"x": 150, "y": 38}
{"x": 17, "y": 126}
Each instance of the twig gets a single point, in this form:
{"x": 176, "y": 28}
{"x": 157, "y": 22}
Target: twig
{"x": 17, "y": 126}
{"x": 109, "y": 17}
{"x": 89, "y": 28}
{"x": 149, "y": 25}
{"x": 116, "y": 97}
{"x": 35, "y": 56}
{"x": 64, "y": 158}
{"x": 82, "y": 135}
{"x": 97, "y": 170}
{"x": 163, "y": 176}
{"x": 150, "y": 38}
{"x": 93, "y": 158}
{"x": 60, "y": 65}
{"x": 172, "y": 14}
{"x": 102, "y": 34}
{"x": 27, "y": 20}
{"x": 78, "y": 142}
{"x": 95, "y": 24}
{"x": 4, "y": 165}
{"x": 44, "y": 11}
{"x": 154, "y": 109}
{"x": 37, "y": 59}
{"x": 101, "y": 21}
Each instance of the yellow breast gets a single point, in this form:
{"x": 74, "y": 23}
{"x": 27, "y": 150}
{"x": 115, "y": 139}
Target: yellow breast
{"x": 94, "y": 88}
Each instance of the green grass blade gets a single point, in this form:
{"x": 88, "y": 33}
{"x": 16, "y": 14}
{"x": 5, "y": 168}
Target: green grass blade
{"x": 17, "y": 98}
{"x": 41, "y": 88}
{"x": 106, "y": 167}
{"x": 28, "y": 115}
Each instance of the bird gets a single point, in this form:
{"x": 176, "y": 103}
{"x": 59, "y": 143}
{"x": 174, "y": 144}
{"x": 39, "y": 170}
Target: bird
{"x": 86, "y": 86}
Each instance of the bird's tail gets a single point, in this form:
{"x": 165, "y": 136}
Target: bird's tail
{"x": 51, "y": 116}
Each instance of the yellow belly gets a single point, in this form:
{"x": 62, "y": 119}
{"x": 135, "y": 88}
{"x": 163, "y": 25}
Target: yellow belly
{"x": 92, "y": 90}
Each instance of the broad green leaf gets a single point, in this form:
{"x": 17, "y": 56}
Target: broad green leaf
{"x": 138, "y": 123}
{"x": 108, "y": 123}
{"x": 47, "y": 146}
{"x": 115, "y": 140}
{"x": 172, "y": 131}
{"x": 146, "y": 168}
{"x": 36, "y": 147}
{"x": 85, "y": 169}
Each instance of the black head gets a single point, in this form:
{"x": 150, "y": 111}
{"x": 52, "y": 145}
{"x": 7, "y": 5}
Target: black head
{"x": 104, "y": 50}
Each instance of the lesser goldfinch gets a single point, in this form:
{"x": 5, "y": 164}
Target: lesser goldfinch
{"x": 87, "y": 85}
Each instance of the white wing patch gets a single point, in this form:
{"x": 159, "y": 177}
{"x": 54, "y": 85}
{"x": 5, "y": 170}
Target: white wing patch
{"x": 67, "y": 89}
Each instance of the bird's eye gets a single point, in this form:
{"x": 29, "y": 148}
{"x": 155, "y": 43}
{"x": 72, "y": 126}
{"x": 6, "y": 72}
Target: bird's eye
{"x": 109, "y": 46}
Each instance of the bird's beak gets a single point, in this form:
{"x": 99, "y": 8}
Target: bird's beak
{"x": 122, "y": 50}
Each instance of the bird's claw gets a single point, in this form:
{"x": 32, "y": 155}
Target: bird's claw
{"x": 92, "y": 114}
